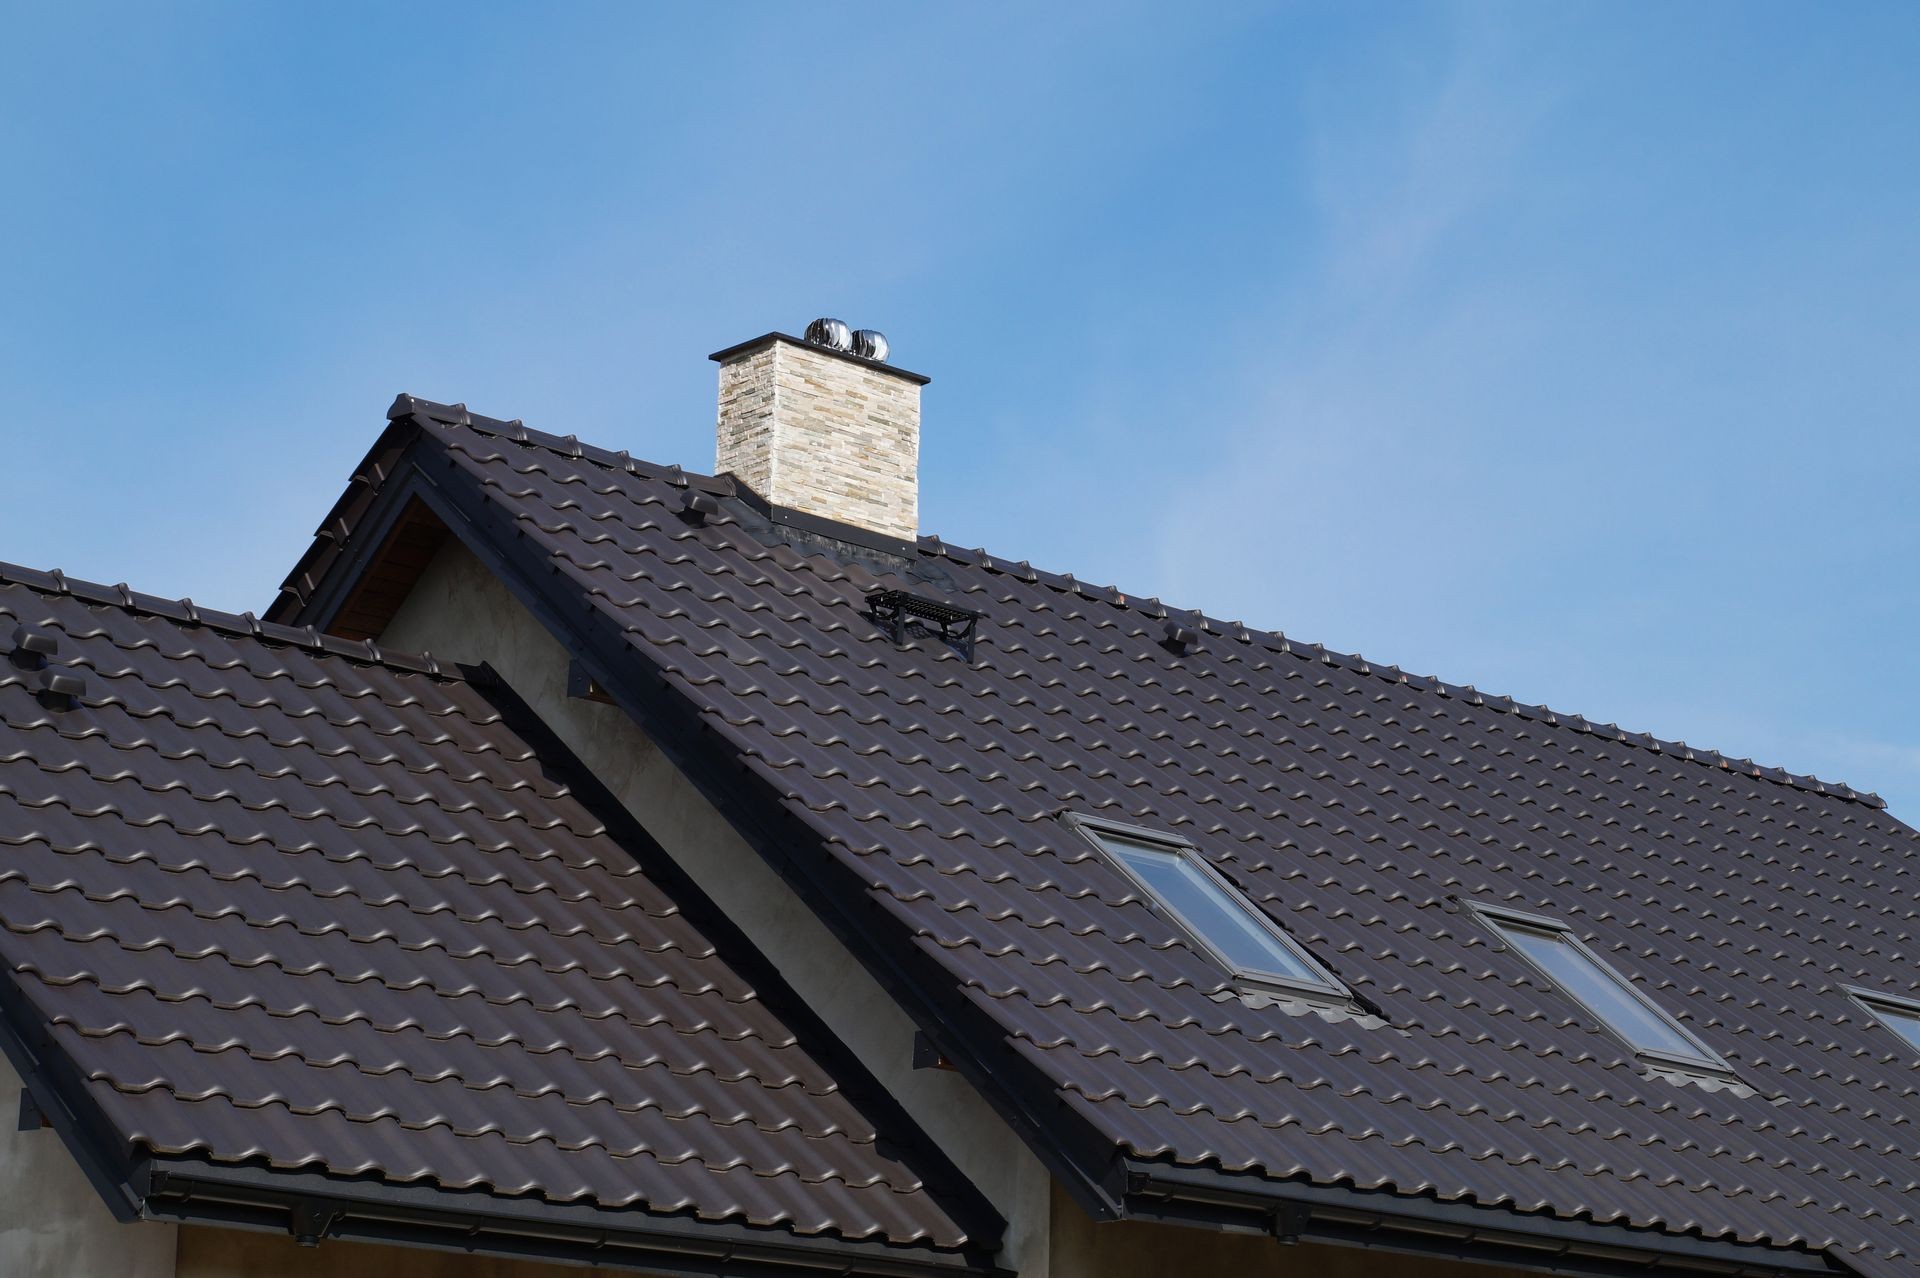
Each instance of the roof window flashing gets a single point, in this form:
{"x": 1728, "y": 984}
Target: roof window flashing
{"x": 1897, "y": 1014}
{"x": 1211, "y": 912}
{"x": 1571, "y": 967}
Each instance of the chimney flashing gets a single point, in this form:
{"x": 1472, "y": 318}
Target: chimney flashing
{"x": 821, "y": 526}
{"x": 767, "y": 339}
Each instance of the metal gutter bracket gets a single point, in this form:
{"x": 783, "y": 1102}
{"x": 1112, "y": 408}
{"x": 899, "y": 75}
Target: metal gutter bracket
{"x": 311, "y": 1220}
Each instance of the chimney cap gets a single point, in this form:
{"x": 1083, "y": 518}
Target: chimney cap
{"x": 746, "y": 348}
{"x": 830, "y": 333}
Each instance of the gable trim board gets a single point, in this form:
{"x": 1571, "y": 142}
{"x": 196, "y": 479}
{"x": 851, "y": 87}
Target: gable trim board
{"x": 768, "y": 827}
{"x": 136, "y": 1183}
{"x": 1105, "y": 1185}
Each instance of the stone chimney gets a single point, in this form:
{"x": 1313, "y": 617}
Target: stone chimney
{"x": 825, "y": 426}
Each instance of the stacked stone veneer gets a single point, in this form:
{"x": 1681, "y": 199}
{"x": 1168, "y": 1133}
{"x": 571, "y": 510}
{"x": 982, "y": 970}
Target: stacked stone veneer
{"x": 822, "y": 433}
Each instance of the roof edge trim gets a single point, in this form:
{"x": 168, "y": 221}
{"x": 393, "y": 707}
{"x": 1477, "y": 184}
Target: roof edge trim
{"x": 185, "y": 612}
{"x": 194, "y": 1191}
{"x": 677, "y": 728}
{"x": 1497, "y": 1235}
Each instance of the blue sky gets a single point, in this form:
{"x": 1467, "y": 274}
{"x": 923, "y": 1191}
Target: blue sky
{"x": 1566, "y": 351}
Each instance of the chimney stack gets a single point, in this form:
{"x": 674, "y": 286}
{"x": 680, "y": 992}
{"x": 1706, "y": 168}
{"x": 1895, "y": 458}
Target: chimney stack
{"x": 824, "y": 425}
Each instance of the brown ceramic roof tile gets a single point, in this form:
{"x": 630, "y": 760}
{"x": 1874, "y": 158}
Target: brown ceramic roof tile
{"x": 281, "y": 900}
{"x": 1360, "y": 805}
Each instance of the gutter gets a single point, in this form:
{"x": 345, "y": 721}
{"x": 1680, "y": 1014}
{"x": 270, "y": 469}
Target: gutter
{"x": 1383, "y": 1221}
{"x": 314, "y": 1207}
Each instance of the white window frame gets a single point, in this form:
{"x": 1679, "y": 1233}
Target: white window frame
{"x": 1498, "y": 918}
{"x": 1875, "y": 1002}
{"x": 1327, "y": 988}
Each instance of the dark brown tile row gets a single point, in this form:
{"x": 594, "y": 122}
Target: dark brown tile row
{"x": 299, "y": 904}
{"x": 1361, "y": 806}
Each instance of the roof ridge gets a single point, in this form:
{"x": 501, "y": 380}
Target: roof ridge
{"x": 570, "y": 446}
{"x": 1279, "y": 641}
{"x": 184, "y": 612}
{"x": 1274, "y": 640}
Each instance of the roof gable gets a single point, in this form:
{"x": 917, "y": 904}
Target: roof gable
{"x": 1361, "y": 806}
{"x": 277, "y": 910}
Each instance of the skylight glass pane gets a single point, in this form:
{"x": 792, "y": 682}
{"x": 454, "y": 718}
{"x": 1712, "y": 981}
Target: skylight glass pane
{"x": 1218, "y": 917}
{"x": 1604, "y": 991}
{"x": 1905, "y": 1024}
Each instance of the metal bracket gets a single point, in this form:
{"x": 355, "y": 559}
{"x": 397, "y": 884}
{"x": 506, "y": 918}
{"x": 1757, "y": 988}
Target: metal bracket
{"x": 31, "y": 1119}
{"x": 310, "y": 1221}
{"x": 1290, "y": 1221}
{"x": 584, "y": 686}
{"x": 900, "y": 612}
{"x": 926, "y": 1055}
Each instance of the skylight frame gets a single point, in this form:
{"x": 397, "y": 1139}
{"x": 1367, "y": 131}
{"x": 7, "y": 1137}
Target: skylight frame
{"x": 1499, "y": 919}
{"x": 1879, "y": 1005}
{"x": 1328, "y": 988}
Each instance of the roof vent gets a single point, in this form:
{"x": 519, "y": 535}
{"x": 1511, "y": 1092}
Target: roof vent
{"x": 870, "y": 343}
{"x": 832, "y": 334}
{"x": 31, "y": 648}
{"x": 59, "y": 689}
{"x": 1178, "y": 638}
{"x": 697, "y": 507}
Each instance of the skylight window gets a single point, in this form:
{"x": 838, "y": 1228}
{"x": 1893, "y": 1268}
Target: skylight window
{"x": 1214, "y": 914}
{"x": 1640, "y": 1022}
{"x": 1901, "y": 1015}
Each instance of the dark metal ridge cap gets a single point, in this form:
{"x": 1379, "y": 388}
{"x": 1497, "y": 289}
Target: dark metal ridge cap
{"x": 751, "y": 345}
{"x": 186, "y": 613}
{"x": 1495, "y": 1235}
{"x": 408, "y": 407}
{"x": 416, "y": 411}
{"x": 340, "y": 521}
{"x": 1277, "y": 641}
{"x": 189, "y": 1190}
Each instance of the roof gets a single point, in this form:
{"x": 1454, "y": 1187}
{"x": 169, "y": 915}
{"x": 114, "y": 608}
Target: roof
{"x": 278, "y": 909}
{"x": 1362, "y": 806}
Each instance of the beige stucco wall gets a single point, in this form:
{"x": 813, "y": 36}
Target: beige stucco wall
{"x": 52, "y": 1221}
{"x": 458, "y": 610}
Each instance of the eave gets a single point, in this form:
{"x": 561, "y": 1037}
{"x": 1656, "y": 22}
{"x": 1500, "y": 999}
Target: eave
{"x": 1384, "y": 1221}
{"x": 960, "y": 1033}
{"x": 320, "y": 1209}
